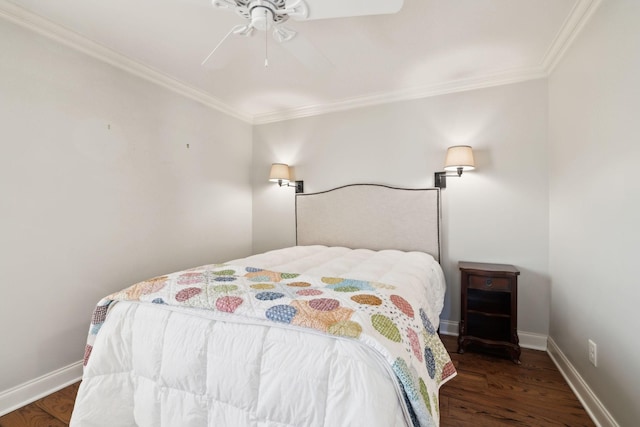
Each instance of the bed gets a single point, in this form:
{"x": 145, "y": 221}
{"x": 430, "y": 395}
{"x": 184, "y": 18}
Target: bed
{"x": 339, "y": 330}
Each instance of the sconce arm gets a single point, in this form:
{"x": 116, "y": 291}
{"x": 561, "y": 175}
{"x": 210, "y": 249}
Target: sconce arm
{"x": 440, "y": 178}
{"x": 299, "y": 185}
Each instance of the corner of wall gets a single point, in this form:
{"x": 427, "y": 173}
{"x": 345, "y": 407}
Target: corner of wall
{"x": 594, "y": 407}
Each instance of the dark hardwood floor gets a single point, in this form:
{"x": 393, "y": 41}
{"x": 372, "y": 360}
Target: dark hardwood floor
{"x": 488, "y": 391}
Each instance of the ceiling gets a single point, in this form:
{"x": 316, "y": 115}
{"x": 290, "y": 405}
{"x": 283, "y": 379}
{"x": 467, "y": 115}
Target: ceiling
{"x": 429, "y": 47}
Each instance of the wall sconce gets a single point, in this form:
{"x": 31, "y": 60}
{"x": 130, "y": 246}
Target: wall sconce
{"x": 459, "y": 158}
{"x": 280, "y": 174}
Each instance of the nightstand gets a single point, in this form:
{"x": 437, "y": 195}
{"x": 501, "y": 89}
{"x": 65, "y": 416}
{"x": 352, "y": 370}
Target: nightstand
{"x": 489, "y": 308}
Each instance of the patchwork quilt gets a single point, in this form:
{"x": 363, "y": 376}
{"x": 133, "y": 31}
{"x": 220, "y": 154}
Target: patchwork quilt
{"x": 378, "y": 315}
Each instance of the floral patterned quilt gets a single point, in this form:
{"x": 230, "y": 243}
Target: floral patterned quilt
{"x": 375, "y": 314}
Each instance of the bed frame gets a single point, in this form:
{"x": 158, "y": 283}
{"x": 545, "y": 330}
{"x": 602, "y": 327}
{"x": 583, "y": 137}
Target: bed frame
{"x": 371, "y": 216}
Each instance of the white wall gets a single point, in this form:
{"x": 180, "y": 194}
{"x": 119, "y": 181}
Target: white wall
{"x": 98, "y": 191}
{"x": 498, "y": 213}
{"x": 595, "y": 205}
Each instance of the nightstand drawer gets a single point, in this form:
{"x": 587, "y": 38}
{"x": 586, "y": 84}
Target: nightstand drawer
{"x": 490, "y": 283}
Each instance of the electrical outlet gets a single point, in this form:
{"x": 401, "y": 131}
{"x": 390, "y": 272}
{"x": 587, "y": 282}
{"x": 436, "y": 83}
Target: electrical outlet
{"x": 593, "y": 353}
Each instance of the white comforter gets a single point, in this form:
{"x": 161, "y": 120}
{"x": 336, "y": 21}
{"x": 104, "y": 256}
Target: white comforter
{"x": 156, "y": 365}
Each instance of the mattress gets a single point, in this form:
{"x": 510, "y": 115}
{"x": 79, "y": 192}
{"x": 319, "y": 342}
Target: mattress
{"x": 163, "y": 365}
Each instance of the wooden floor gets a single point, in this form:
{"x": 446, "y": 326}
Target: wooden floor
{"x": 51, "y": 411}
{"x": 487, "y": 391}
{"x": 490, "y": 391}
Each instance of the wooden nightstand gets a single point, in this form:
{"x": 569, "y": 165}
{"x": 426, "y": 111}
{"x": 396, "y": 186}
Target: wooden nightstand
{"x": 489, "y": 307}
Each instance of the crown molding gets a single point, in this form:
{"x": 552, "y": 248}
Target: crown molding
{"x": 498, "y": 79}
{"x": 580, "y": 14}
{"x": 582, "y": 11}
{"x": 13, "y": 13}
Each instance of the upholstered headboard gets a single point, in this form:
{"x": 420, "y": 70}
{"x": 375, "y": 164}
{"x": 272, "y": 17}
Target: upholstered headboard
{"x": 371, "y": 216}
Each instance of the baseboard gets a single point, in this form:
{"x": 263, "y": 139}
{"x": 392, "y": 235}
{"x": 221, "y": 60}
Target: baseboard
{"x": 530, "y": 340}
{"x": 533, "y": 341}
{"x": 596, "y": 410}
{"x": 447, "y": 327}
{"x": 28, "y": 392}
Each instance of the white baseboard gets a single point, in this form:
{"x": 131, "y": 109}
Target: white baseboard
{"x": 530, "y": 340}
{"x": 28, "y": 392}
{"x": 533, "y": 341}
{"x": 596, "y": 410}
{"x": 447, "y": 327}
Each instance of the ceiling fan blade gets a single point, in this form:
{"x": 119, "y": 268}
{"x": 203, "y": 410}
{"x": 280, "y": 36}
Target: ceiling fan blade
{"x": 324, "y": 9}
{"x": 200, "y": 3}
{"x": 224, "y": 4}
{"x": 218, "y": 60}
{"x": 231, "y": 5}
{"x": 304, "y": 51}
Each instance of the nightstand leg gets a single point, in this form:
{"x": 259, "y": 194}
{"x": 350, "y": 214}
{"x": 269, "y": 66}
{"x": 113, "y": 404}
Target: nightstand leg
{"x": 461, "y": 333}
{"x": 515, "y": 355}
{"x": 515, "y": 351}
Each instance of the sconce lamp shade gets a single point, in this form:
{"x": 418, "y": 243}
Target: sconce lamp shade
{"x": 279, "y": 173}
{"x": 459, "y": 158}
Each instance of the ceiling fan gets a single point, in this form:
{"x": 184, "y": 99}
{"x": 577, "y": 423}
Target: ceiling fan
{"x": 265, "y": 15}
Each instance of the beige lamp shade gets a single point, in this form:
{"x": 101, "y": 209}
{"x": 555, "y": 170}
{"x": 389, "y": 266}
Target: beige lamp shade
{"x": 459, "y": 157}
{"x": 279, "y": 172}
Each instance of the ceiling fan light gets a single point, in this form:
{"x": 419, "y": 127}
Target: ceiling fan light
{"x": 283, "y": 34}
{"x": 297, "y": 9}
{"x": 261, "y": 18}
